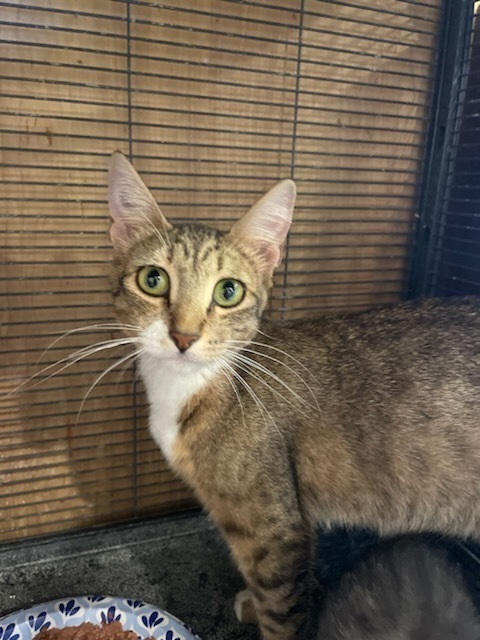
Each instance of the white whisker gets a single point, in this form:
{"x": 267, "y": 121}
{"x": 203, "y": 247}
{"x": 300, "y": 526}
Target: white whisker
{"x": 245, "y": 348}
{"x": 70, "y": 360}
{"x": 468, "y": 552}
{"x": 164, "y": 243}
{"x": 249, "y": 390}
{"x": 263, "y": 410}
{"x": 108, "y": 326}
{"x": 295, "y": 373}
{"x": 117, "y": 363}
{"x": 123, "y": 371}
{"x": 250, "y": 363}
{"x": 265, "y": 334}
{"x": 232, "y": 384}
{"x": 269, "y": 346}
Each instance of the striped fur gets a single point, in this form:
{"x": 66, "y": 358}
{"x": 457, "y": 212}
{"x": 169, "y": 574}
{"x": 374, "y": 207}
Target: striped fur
{"x": 367, "y": 419}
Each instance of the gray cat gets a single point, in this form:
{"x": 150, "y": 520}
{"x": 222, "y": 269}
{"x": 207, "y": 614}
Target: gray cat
{"x": 405, "y": 591}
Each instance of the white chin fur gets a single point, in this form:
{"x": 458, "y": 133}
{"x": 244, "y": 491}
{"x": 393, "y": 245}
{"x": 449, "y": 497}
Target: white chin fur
{"x": 170, "y": 379}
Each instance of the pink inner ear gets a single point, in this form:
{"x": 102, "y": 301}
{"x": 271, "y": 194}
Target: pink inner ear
{"x": 271, "y": 254}
{"x": 118, "y": 233}
{"x": 280, "y": 228}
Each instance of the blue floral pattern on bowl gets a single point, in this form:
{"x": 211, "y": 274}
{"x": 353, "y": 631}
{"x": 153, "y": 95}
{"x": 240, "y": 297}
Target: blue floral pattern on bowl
{"x": 69, "y": 608}
{"x": 38, "y": 622}
{"x": 7, "y": 632}
{"x": 144, "y": 619}
{"x": 152, "y": 621}
{"x": 111, "y": 615}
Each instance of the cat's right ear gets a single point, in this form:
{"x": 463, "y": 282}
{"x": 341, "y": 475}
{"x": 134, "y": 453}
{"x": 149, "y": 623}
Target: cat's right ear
{"x": 132, "y": 206}
{"x": 265, "y": 226}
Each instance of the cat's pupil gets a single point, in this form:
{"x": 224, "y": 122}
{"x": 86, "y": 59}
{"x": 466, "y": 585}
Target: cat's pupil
{"x": 153, "y": 278}
{"x": 228, "y": 290}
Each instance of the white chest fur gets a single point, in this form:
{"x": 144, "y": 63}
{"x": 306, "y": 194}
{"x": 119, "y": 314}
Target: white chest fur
{"x": 169, "y": 387}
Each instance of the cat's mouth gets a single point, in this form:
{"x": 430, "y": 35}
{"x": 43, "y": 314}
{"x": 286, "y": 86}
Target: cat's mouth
{"x": 181, "y": 359}
{"x": 185, "y": 356}
{"x": 157, "y": 343}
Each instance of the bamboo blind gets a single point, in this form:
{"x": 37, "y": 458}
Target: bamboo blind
{"x": 214, "y": 101}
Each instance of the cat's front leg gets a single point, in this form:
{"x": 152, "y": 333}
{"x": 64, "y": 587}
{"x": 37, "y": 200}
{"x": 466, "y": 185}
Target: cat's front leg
{"x": 276, "y": 564}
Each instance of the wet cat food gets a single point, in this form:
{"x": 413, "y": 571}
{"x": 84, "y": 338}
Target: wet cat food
{"x": 88, "y": 631}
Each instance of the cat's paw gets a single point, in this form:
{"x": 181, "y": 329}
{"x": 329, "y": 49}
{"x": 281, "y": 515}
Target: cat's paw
{"x": 244, "y": 607}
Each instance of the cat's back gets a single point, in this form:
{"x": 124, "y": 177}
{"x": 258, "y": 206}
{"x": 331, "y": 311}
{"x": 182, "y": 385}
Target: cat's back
{"x": 406, "y": 591}
{"x": 425, "y": 342}
{"x": 412, "y": 320}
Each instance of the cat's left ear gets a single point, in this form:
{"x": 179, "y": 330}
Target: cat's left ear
{"x": 265, "y": 226}
{"x": 132, "y": 206}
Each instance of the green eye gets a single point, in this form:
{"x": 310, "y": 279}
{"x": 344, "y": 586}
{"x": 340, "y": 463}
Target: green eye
{"x": 153, "y": 280}
{"x": 228, "y": 293}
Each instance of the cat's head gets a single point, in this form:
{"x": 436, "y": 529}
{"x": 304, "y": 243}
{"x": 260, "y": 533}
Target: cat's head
{"x": 192, "y": 292}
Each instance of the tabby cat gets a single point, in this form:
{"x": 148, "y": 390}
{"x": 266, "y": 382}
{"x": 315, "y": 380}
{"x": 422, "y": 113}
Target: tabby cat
{"x": 367, "y": 419}
{"x": 405, "y": 591}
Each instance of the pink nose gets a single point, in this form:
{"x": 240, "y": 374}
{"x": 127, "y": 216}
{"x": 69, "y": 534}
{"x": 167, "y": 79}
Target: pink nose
{"x": 183, "y": 340}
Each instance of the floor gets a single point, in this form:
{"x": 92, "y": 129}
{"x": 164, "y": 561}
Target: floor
{"x": 178, "y": 563}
